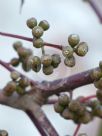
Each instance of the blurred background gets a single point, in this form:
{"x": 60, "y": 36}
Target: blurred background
{"x": 65, "y": 17}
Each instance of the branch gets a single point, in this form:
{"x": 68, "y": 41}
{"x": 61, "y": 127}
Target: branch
{"x": 66, "y": 84}
{"x": 61, "y": 85}
{"x": 30, "y": 40}
{"x": 96, "y": 5}
{"x": 36, "y": 123}
{"x": 29, "y": 104}
{"x": 38, "y": 117}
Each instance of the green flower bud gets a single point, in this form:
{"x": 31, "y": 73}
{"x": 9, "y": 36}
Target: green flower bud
{"x": 27, "y": 64}
{"x": 17, "y": 45}
{"x": 44, "y": 24}
{"x": 56, "y": 60}
{"x": 37, "y": 31}
{"x": 66, "y": 114}
{"x": 20, "y": 90}
{"x": 58, "y": 108}
{"x": 64, "y": 100}
{"x": 74, "y": 106}
{"x": 81, "y": 49}
{"x": 24, "y": 82}
{"x": 96, "y": 74}
{"x": 38, "y": 43}
{"x": 46, "y": 60}
{"x": 9, "y": 88}
{"x": 98, "y": 83}
{"x": 14, "y": 62}
{"x": 67, "y": 51}
{"x": 98, "y": 111}
{"x": 69, "y": 62}
{"x": 47, "y": 70}
{"x": 99, "y": 95}
{"x": 86, "y": 118}
{"x": 23, "y": 52}
{"x": 36, "y": 64}
{"x": 73, "y": 40}
{"x": 31, "y": 23}
{"x": 3, "y": 133}
{"x": 15, "y": 75}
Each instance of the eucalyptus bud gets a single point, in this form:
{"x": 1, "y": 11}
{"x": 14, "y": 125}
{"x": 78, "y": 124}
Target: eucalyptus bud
{"x": 98, "y": 83}
{"x": 67, "y": 51}
{"x": 46, "y": 60}
{"x": 86, "y": 118}
{"x": 47, "y": 70}
{"x": 14, "y": 75}
{"x": 58, "y": 108}
{"x": 70, "y": 62}
{"x": 74, "y": 105}
{"x": 14, "y": 62}
{"x": 81, "y": 49}
{"x": 44, "y": 24}
{"x": 38, "y": 43}
{"x": 96, "y": 74}
{"x": 64, "y": 100}
{"x": 73, "y": 40}
{"x": 3, "y": 133}
{"x": 17, "y": 45}
{"x": 66, "y": 114}
{"x": 31, "y": 22}
{"x": 37, "y": 31}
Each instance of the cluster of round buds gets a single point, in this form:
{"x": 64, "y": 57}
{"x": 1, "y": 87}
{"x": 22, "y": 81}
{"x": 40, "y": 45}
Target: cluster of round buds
{"x": 28, "y": 61}
{"x": 37, "y": 31}
{"x": 96, "y": 108}
{"x": 18, "y": 84}
{"x": 24, "y": 56}
{"x": 3, "y": 133}
{"x": 77, "y": 110}
{"x": 96, "y": 75}
{"x": 50, "y": 62}
{"x": 75, "y": 46}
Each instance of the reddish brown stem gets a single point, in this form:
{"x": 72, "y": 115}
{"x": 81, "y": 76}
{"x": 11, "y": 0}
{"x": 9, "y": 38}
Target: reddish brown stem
{"x": 7, "y": 66}
{"x": 77, "y": 129}
{"x": 43, "y": 121}
{"x": 88, "y": 98}
{"x": 95, "y": 7}
{"x": 30, "y": 40}
{"x": 36, "y": 123}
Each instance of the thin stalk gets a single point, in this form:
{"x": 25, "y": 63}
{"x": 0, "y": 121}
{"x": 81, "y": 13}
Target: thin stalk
{"x": 95, "y": 8}
{"x": 30, "y": 40}
{"x": 88, "y": 98}
{"x": 77, "y": 129}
